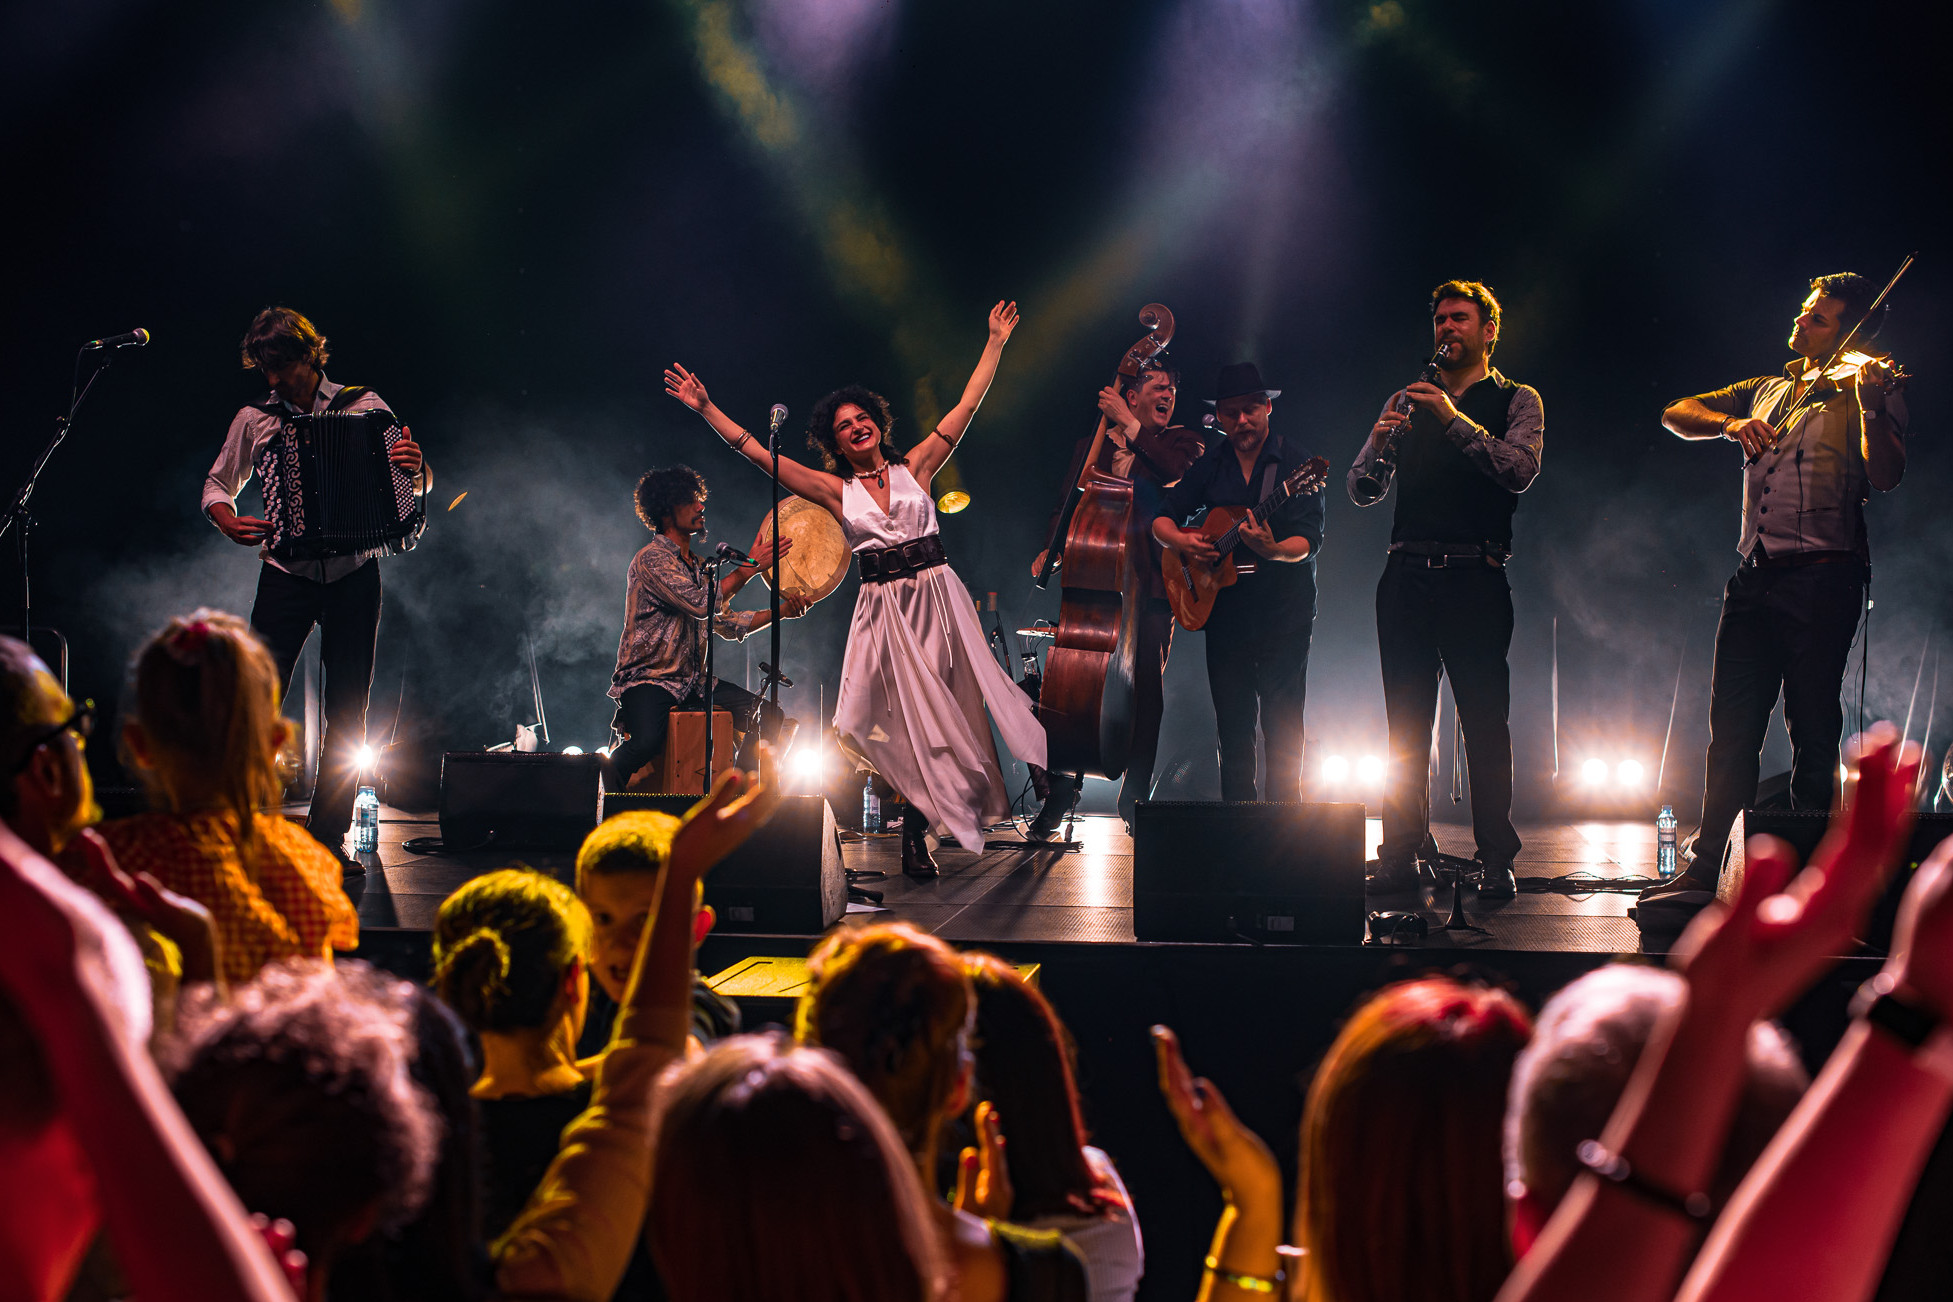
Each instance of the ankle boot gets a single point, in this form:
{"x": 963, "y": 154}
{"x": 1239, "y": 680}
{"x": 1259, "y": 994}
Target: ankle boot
{"x": 916, "y": 859}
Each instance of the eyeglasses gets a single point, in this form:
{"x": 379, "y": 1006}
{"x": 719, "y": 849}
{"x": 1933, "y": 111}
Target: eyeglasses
{"x": 81, "y": 723}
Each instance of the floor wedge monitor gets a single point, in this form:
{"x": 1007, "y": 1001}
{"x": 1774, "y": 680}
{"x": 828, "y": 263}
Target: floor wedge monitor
{"x": 1261, "y": 873}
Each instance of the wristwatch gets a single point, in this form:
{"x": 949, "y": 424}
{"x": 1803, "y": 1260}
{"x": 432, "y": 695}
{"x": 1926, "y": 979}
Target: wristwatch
{"x": 1919, "y": 1028}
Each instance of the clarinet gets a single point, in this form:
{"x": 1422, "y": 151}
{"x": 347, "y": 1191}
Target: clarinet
{"x": 1371, "y": 485}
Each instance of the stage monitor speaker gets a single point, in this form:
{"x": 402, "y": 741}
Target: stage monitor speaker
{"x": 1265, "y": 873}
{"x": 785, "y": 881}
{"x": 508, "y": 798}
{"x": 1803, "y": 829}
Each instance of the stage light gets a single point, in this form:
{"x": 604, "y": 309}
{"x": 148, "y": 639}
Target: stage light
{"x": 604, "y": 751}
{"x": 1594, "y": 772}
{"x": 809, "y": 767}
{"x": 1628, "y": 773}
{"x": 952, "y": 501}
{"x": 1335, "y": 769}
{"x": 572, "y": 750}
{"x": 1369, "y": 770}
{"x": 364, "y": 757}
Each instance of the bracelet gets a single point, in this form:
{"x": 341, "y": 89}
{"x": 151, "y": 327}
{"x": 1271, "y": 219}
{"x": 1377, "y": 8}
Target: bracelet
{"x": 1246, "y": 1283}
{"x": 745, "y": 437}
{"x": 1613, "y": 1168}
{"x": 1727, "y": 421}
{"x": 1924, "y": 1033}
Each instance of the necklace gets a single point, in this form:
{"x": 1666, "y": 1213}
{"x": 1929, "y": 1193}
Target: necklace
{"x": 881, "y": 472}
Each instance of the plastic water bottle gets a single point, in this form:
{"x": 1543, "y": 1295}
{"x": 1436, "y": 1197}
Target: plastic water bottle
{"x": 871, "y": 808}
{"x": 366, "y": 822}
{"x": 1665, "y": 842}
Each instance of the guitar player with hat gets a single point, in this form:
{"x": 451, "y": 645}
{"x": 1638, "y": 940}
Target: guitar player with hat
{"x": 1469, "y": 445}
{"x": 1259, "y": 628}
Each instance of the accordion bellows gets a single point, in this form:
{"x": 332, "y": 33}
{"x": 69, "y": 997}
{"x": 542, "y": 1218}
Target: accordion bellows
{"x": 329, "y": 489}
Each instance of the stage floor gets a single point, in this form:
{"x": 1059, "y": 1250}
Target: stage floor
{"x": 1039, "y": 897}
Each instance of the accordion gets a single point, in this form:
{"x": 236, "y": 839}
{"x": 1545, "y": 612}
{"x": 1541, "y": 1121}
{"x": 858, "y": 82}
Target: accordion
{"x": 329, "y": 489}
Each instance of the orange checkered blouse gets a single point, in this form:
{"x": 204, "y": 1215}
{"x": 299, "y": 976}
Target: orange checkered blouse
{"x": 286, "y": 902}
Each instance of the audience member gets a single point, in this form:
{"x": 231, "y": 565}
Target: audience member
{"x": 300, "y": 1085}
{"x": 617, "y": 871}
{"x": 440, "y": 1255}
{"x": 89, "y": 1136}
{"x": 1056, "y": 1180}
{"x": 1585, "y": 1045}
{"x": 778, "y": 1176}
{"x": 1398, "y": 1196}
{"x": 204, "y": 732}
{"x": 511, "y": 956}
{"x": 897, "y": 1006}
{"x": 49, "y": 800}
{"x": 1815, "y": 1215}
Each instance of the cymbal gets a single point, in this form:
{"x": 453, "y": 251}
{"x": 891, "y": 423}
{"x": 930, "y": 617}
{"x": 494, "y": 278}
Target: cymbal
{"x": 820, "y": 557}
{"x": 1042, "y": 631}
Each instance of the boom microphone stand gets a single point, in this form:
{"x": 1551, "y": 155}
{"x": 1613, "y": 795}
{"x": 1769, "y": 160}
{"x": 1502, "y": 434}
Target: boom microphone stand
{"x": 17, "y": 514}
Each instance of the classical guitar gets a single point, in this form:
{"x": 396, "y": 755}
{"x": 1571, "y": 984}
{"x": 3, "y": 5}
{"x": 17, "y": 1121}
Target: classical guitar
{"x": 1192, "y": 585}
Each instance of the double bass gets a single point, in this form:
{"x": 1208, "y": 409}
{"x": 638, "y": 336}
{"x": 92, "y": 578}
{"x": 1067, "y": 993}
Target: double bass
{"x": 1086, "y": 704}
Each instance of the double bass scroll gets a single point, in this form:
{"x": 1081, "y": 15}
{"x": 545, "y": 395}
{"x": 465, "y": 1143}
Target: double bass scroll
{"x": 1086, "y": 704}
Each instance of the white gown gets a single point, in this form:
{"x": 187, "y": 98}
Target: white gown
{"x": 917, "y": 676}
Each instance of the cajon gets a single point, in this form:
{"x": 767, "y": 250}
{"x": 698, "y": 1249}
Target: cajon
{"x": 680, "y": 769}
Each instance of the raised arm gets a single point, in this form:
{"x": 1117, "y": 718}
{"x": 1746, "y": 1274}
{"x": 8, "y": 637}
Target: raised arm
{"x": 927, "y": 457}
{"x": 816, "y": 486}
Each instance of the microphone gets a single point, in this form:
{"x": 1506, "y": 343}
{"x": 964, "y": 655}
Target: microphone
{"x": 774, "y": 675}
{"x": 727, "y": 552}
{"x": 775, "y": 418}
{"x": 136, "y": 338}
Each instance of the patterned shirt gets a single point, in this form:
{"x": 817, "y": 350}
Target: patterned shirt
{"x": 665, "y": 602}
{"x": 250, "y": 430}
{"x": 286, "y": 902}
{"x": 1808, "y": 493}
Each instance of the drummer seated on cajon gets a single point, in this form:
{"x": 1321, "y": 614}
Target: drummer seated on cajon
{"x": 661, "y": 656}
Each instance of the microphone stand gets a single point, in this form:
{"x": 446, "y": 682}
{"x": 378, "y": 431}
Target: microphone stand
{"x": 773, "y": 601}
{"x": 711, "y": 636}
{"x": 17, "y": 511}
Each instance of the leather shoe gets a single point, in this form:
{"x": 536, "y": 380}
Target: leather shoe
{"x": 917, "y": 862}
{"x": 1393, "y": 878}
{"x": 1496, "y": 882}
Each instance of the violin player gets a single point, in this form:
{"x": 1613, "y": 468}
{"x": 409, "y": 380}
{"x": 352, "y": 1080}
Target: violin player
{"x": 1258, "y": 634}
{"x": 1144, "y": 445}
{"x": 1816, "y": 440}
{"x": 1460, "y": 446}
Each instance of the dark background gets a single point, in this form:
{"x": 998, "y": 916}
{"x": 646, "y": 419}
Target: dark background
{"x": 509, "y": 217}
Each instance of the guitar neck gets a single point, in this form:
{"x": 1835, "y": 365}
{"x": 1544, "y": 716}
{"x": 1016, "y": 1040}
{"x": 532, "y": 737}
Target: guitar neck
{"x": 1232, "y": 538}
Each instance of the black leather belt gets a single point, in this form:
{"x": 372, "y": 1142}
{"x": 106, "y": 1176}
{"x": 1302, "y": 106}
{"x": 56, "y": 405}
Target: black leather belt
{"x": 880, "y": 564}
{"x": 1450, "y": 555}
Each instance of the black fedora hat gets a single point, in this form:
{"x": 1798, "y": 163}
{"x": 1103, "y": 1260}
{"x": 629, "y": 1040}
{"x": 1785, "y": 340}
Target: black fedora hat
{"x": 1238, "y": 379}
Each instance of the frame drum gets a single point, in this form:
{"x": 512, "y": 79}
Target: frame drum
{"x": 820, "y": 556}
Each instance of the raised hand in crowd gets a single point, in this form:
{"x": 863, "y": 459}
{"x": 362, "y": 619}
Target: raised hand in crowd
{"x": 1628, "y": 1238}
{"x": 74, "y": 978}
{"x": 983, "y": 1170}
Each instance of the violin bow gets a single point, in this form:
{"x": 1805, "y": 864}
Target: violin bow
{"x": 1844, "y": 345}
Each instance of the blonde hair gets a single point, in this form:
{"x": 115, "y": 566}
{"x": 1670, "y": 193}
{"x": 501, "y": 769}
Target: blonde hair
{"x": 205, "y": 693}
{"x": 502, "y": 944}
{"x": 635, "y": 842}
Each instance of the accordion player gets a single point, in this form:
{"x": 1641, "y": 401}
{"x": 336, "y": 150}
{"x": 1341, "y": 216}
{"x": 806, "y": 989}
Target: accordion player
{"x": 330, "y": 489}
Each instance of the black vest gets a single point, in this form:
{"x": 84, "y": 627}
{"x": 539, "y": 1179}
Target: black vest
{"x": 1442, "y": 496}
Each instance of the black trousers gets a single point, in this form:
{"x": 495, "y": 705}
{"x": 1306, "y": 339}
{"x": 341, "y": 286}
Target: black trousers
{"x": 1785, "y": 630}
{"x": 1153, "y": 635}
{"x": 347, "y": 612}
{"x": 644, "y": 711}
{"x": 1258, "y": 674}
{"x": 1457, "y": 621}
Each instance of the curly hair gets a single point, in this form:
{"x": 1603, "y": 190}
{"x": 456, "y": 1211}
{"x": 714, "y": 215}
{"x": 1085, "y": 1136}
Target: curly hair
{"x": 777, "y": 1175}
{"x": 278, "y": 337}
{"x": 896, "y": 1004}
{"x": 300, "y": 1085}
{"x": 1473, "y": 292}
{"x": 820, "y": 427}
{"x": 662, "y": 491}
{"x": 502, "y": 944}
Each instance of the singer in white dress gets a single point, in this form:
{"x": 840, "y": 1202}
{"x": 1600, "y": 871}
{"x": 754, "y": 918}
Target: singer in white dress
{"x": 917, "y": 675}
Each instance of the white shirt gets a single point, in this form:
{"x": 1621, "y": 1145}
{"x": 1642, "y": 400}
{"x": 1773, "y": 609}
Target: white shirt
{"x": 1115, "y": 1255}
{"x": 250, "y": 430}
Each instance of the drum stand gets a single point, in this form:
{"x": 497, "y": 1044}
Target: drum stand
{"x": 17, "y": 516}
